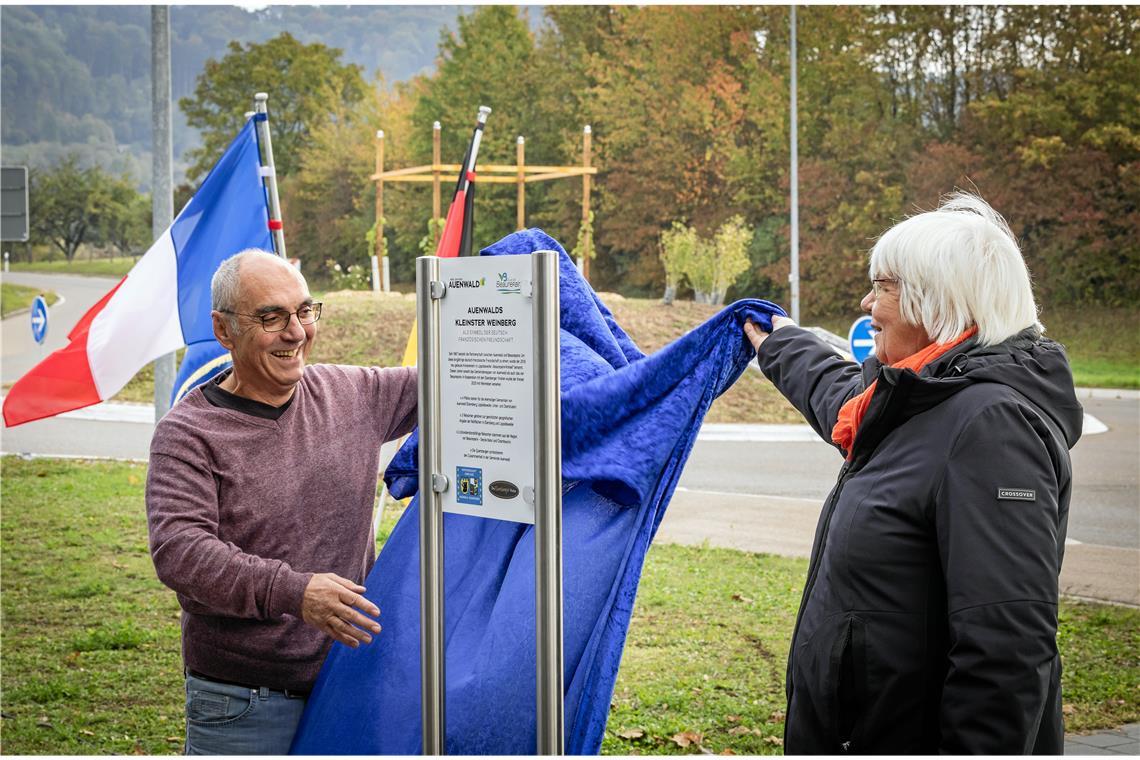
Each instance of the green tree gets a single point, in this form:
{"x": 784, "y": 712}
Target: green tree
{"x": 672, "y": 119}
{"x": 125, "y": 219}
{"x": 66, "y": 204}
{"x": 329, "y": 202}
{"x": 1051, "y": 137}
{"x": 568, "y": 54}
{"x": 679, "y": 245}
{"x": 306, "y": 84}
{"x": 714, "y": 265}
{"x": 488, "y": 61}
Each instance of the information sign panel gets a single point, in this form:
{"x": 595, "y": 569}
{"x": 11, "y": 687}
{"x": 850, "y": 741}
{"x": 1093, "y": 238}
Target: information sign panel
{"x": 487, "y": 386}
{"x": 861, "y": 339}
{"x": 14, "y": 203}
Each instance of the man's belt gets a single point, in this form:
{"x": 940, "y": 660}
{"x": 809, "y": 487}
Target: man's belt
{"x": 289, "y": 693}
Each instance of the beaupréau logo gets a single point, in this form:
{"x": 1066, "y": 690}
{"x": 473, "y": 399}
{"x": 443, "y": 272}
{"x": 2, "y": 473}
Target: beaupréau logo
{"x": 508, "y": 284}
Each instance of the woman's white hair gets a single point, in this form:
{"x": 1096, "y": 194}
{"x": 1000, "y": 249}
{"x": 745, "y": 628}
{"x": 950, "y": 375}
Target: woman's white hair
{"x": 958, "y": 266}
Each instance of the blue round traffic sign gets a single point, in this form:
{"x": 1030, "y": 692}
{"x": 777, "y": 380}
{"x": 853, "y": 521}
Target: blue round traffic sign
{"x": 861, "y": 339}
{"x": 39, "y": 319}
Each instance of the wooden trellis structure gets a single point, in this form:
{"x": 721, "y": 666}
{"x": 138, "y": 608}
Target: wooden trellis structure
{"x": 518, "y": 174}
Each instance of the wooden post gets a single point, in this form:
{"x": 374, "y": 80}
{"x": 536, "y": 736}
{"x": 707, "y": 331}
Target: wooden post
{"x": 586, "y": 132}
{"x": 520, "y": 156}
{"x": 435, "y": 210}
{"x": 381, "y": 263}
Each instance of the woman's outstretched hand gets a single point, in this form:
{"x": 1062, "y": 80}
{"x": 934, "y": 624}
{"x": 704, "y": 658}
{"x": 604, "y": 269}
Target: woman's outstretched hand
{"x": 756, "y": 334}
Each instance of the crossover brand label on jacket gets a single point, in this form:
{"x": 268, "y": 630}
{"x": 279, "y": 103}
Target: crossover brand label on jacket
{"x": 1017, "y": 494}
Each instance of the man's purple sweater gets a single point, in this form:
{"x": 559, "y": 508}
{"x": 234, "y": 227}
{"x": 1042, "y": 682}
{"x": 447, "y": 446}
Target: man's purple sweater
{"x": 244, "y": 510}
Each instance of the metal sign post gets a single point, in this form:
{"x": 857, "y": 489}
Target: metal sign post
{"x": 548, "y": 504}
{"x": 794, "y": 273}
{"x": 429, "y": 291}
{"x": 162, "y": 179}
{"x": 488, "y": 343}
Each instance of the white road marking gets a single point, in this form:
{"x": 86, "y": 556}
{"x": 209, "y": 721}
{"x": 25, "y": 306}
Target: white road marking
{"x": 1092, "y": 426}
{"x": 111, "y": 412}
{"x": 757, "y": 433}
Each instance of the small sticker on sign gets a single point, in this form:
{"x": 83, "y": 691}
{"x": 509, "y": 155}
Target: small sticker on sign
{"x": 469, "y": 485}
{"x": 503, "y": 489}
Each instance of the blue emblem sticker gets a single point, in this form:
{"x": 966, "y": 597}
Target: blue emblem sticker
{"x": 469, "y": 485}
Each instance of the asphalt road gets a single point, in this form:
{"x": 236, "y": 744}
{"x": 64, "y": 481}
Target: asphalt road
{"x": 19, "y": 352}
{"x": 748, "y": 493}
{"x": 1105, "y": 506}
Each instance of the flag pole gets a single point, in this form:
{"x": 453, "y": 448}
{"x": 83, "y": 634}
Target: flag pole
{"x": 269, "y": 171}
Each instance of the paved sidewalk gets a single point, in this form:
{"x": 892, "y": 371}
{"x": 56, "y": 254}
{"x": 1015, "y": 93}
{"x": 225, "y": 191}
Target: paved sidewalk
{"x": 786, "y": 526}
{"x": 1120, "y": 741}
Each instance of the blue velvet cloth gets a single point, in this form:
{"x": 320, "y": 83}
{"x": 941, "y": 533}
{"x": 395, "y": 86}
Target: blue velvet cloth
{"x": 628, "y": 425}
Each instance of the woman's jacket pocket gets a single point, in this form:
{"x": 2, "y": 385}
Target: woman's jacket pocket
{"x": 849, "y": 682}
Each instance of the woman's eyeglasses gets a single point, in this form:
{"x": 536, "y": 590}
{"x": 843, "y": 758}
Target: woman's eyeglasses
{"x": 878, "y": 284}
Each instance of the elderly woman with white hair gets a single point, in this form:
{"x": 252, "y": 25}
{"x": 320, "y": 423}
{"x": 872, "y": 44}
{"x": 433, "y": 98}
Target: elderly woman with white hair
{"x": 928, "y": 622}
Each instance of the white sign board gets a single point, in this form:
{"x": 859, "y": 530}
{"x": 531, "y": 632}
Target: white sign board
{"x": 487, "y": 386}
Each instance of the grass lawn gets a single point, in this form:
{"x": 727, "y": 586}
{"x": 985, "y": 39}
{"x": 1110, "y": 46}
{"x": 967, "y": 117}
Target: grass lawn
{"x": 1103, "y": 343}
{"x": 91, "y": 661}
{"x": 356, "y": 327}
{"x": 91, "y": 267}
{"x": 361, "y": 327}
{"x": 16, "y": 297}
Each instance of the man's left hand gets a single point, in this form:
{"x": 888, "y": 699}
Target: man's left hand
{"x": 336, "y": 606}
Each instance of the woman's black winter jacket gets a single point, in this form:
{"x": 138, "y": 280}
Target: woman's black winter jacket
{"x": 929, "y": 618}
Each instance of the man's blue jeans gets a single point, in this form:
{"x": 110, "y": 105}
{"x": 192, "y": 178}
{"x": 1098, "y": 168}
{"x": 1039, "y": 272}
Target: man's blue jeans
{"x": 224, "y": 719}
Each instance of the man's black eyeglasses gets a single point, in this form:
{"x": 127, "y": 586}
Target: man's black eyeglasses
{"x": 276, "y": 321}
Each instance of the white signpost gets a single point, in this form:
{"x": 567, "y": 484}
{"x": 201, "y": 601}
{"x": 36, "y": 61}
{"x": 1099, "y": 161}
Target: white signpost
{"x": 490, "y": 446}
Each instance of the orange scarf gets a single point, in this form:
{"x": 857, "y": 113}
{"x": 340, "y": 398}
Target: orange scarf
{"x": 851, "y": 414}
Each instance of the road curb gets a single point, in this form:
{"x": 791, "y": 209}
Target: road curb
{"x": 1099, "y": 600}
{"x": 59, "y": 300}
{"x": 1123, "y": 393}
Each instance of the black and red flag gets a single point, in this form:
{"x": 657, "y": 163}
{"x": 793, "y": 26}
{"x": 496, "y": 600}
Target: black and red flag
{"x": 458, "y": 230}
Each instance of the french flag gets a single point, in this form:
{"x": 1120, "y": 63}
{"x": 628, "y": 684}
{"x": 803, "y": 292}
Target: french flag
{"x": 163, "y": 303}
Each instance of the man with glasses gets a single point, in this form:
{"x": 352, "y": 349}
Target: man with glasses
{"x": 260, "y": 497}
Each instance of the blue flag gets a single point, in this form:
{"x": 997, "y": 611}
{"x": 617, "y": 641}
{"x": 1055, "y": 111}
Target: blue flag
{"x": 227, "y": 215}
{"x": 628, "y": 424}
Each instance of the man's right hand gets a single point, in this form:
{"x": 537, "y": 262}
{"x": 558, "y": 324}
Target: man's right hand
{"x": 331, "y": 604}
